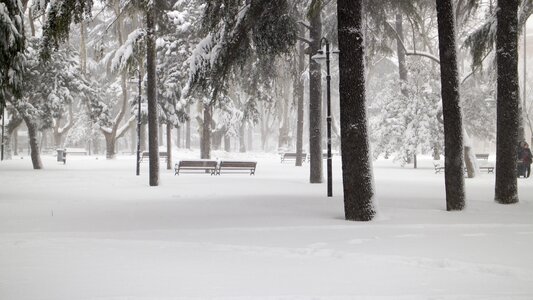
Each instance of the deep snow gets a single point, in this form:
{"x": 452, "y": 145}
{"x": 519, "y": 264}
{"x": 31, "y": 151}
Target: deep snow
{"x": 91, "y": 229}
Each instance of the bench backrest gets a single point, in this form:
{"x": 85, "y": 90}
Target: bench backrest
{"x": 292, "y": 155}
{"x": 482, "y": 156}
{"x": 197, "y": 163}
{"x": 238, "y": 164}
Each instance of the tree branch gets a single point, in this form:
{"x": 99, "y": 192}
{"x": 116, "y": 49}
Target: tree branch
{"x": 409, "y": 52}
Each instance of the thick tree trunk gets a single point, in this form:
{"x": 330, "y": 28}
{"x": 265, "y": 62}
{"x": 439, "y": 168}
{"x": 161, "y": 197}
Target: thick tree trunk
{"x": 315, "y": 101}
{"x": 356, "y": 164}
{"x": 451, "y": 108}
{"x": 12, "y": 132}
{"x": 205, "y": 144}
{"x": 299, "y": 89}
{"x": 472, "y": 169}
{"x": 169, "y": 146}
{"x": 34, "y": 144}
{"x": 507, "y": 101}
{"x": 151, "y": 94}
{"x": 110, "y": 145}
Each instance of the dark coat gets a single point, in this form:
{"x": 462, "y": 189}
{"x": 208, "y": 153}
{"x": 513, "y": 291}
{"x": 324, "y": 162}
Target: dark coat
{"x": 526, "y": 156}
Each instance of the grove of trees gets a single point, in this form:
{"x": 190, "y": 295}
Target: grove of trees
{"x": 225, "y": 71}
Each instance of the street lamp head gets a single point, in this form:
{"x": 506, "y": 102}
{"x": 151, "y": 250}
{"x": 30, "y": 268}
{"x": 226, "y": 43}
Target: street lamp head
{"x": 319, "y": 57}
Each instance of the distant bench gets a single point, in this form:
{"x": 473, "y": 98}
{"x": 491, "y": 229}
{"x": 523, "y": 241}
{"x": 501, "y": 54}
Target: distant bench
{"x": 291, "y": 156}
{"x": 482, "y": 159}
{"x": 76, "y": 151}
{"x": 236, "y": 166}
{"x": 484, "y": 164}
{"x": 162, "y": 154}
{"x": 207, "y": 166}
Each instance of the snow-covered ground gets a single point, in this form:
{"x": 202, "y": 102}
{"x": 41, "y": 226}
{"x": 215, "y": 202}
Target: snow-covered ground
{"x": 91, "y": 229}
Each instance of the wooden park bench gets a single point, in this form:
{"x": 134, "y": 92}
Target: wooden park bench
{"x": 438, "y": 167}
{"x": 146, "y": 154}
{"x": 291, "y": 156}
{"x": 483, "y": 162}
{"x": 237, "y": 166}
{"x": 76, "y": 151}
{"x": 201, "y": 165}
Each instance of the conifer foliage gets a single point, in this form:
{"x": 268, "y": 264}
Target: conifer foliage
{"x": 11, "y": 47}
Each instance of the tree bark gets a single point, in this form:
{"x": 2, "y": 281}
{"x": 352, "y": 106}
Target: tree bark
{"x": 242, "y": 144}
{"x": 110, "y": 144}
{"x": 507, "y": 101}
{"x": 315, "y": 101}
{"x": 451, "y": 108}
{"x": 151, "y": 94}
{"x": 250, "y": 137}
{"x": 227, "y": 143}
{"x": 299, "y": 87}
{"x": 34, "y": 144}
{"x": 356, "y": 164}
{"x": 178, "y": 137}
{"x": 205, "y": 145}
{"x": 188, "y": 130}
{"x": 169, "y": 146}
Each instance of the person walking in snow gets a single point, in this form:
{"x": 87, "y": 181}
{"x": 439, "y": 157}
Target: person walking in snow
{"x": 526, "y": 159}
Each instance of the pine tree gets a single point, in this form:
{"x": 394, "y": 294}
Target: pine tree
{"x": 451, "y": 107}
{"x": 356, "y": 163}
{"x": 11, "y": 48}
{"x": 507, "y": 101}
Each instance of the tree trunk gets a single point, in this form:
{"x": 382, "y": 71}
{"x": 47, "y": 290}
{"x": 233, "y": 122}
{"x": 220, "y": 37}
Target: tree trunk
{"x": 133, "y": 138}
{"x": 299, "y": 89}
{"x": 169, "y": 146}
{"x": 507, "y": 101}
{"x": 472, "y": 169}
{"x": 178, "y": 137}
{"x": 227, "y": 143}
{"x": 188, "y": 130}
{"x": 205, "y": 145}
{"x": 34, "y": 144}
{"x": 160, "y": 131}
{"x": 250, "y": 137}
{"x": 151, "y": 94}
{"x": 315, "y": 100}
{"x": 402, "y": 66}
{"x": 356, "y": 164}
{"x": 110, "y": 144}
{"x": 242, "y": 145}
{"x": 143, "y": 137}
{"x": 451, "y": 108}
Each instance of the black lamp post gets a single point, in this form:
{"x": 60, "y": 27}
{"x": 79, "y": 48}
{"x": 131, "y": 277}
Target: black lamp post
{"x": 139, "y": 125}
{"x": 328, "y": 105}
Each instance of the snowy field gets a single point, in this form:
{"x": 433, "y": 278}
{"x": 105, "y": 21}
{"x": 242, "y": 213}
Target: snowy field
{"x": 91, "y": 229}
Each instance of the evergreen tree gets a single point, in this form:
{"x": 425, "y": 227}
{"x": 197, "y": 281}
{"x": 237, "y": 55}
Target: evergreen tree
{"x": 356, "y": 163}
{"x": 507, "y": 101}
{"x": 451, "y": 107}
{"x": 11, "y": 48}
